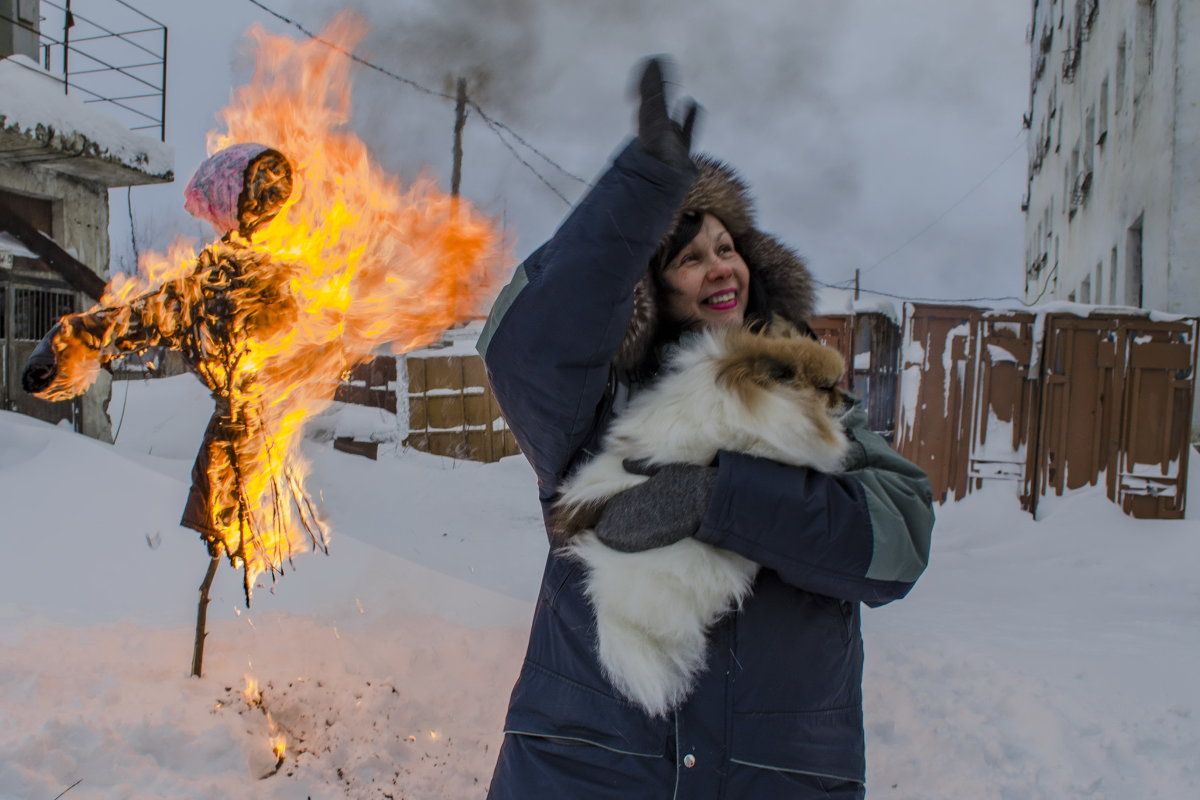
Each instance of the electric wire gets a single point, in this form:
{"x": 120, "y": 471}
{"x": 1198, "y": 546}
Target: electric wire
{"x": 930, "y": 299}
{"x": 955, "y": 205}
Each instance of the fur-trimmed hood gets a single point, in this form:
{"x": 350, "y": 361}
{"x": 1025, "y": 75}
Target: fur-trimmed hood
{"x": 778, "y": 275}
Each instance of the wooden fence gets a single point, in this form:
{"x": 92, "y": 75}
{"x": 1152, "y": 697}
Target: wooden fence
{"x": 452, "y": 411}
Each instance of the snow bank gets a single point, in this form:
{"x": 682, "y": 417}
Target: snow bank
{"x": 1050, "y": 659}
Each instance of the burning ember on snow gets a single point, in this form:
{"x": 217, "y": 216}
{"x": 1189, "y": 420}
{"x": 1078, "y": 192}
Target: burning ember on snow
{"x": 323, "y": 259}
{"x": 254, "y": 699}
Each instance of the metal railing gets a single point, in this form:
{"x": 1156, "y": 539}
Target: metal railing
{"x": 117, "y": 56}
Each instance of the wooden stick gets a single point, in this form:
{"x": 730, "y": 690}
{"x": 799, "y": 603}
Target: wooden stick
{"x": 202, "y": 616}
{"x": 460, "y": 119}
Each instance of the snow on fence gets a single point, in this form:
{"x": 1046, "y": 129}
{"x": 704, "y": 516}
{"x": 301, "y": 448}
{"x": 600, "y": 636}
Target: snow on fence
{"x": 451, "y": 408}
{"x": 1052, "y": 401}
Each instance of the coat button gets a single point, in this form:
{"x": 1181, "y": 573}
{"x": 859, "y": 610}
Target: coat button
{"x": 689, "y": 761}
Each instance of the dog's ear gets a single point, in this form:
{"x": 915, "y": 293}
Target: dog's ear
{"x": 748, "y": 373}
{"x": 824, "y": 367}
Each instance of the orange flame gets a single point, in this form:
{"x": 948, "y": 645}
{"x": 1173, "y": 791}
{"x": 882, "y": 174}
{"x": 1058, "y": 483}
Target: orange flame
{"x": 252, "y": 693}
{"x": 352, "y": 262}
{"x": 275, "y": 736}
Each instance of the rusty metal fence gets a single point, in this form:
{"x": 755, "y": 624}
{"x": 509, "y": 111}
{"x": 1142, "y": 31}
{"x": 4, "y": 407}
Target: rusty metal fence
{"x": 1050, "y": 402}
{"x": 869, "y": 342}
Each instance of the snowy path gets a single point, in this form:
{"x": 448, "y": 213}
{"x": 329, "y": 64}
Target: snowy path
{"x": 1054, "y": 659}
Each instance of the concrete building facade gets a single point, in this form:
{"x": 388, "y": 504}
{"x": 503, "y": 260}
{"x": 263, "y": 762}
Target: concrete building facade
{"x": 1113, "y": 202}
{"x": 59, "y": 157}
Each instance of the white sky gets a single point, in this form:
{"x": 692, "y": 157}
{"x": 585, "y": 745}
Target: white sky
{"x": 857, "y": 122}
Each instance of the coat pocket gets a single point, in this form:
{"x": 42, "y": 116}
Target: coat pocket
{"x": 548, "y": 705}
{"x": 827, "y": 742}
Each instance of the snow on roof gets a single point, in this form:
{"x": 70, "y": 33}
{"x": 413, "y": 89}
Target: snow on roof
{"x": 13, "y": 246}
{"x": 33, "y": 105}
{"x": 458, "y": 341}
{"x": 841, "y": 301}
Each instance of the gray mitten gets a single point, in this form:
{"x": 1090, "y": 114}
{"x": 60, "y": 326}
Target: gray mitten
{"x": 668, "y": 507}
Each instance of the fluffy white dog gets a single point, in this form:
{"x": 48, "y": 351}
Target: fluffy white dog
{"x": 765, "y": 391}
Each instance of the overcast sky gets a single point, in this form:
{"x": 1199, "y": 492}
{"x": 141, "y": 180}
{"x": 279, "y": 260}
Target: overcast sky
{"x": 858, "y": 123}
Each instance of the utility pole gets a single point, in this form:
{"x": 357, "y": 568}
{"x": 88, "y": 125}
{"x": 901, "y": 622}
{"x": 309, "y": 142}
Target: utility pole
{"x": 855, "y": 284}
{"x": 460, "y": 120}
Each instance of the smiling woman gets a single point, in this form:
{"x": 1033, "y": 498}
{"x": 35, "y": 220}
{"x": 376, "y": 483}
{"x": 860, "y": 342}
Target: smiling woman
{"x": 707, "y": 282}
{"x": 663, "y": 252}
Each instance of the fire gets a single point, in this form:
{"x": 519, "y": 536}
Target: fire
{"x": 275, "y": 736}
{"x": 272, "y": 318}
{"x": 252, "y": 693}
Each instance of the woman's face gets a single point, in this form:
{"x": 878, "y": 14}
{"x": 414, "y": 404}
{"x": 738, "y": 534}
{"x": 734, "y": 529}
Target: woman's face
{"x": 710, "y": 279}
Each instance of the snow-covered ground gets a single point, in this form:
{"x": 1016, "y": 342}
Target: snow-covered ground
{"x": 1051, "y": 659}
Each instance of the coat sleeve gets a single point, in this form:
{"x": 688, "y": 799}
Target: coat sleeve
{"x": 861, "y": 535}
{"x": 555, "y": 329}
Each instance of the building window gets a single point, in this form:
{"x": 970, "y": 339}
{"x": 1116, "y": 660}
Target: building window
{"x": 1089, "y": 139}
{"x": 1112, "y": 278}
{"x": 36, "y": 310}
{"x": 1119, "y": 89}
{"x": 1134, "y": 293}
{"x": 1102, "y": 133}
{"x": 1147, "y": 24}
{"x": 36, "y": 211}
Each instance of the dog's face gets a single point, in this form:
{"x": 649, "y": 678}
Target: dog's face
{"x": 774, "y": 359}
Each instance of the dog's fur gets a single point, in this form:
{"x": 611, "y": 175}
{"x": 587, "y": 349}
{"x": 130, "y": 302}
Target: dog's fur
{"x": 766, "y": 391}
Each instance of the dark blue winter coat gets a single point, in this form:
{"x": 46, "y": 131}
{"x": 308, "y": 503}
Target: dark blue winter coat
{"x": 777, "y": 713}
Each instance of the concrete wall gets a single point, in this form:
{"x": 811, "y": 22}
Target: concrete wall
{"x": 18, "y": 38}
{"x": 1119, "y": 125}
{"x": 80, "y": 211}
{"x": 1183, "y": 279}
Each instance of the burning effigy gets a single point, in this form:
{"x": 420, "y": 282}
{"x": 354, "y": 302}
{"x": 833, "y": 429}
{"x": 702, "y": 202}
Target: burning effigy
{"x": 322, "y": 259}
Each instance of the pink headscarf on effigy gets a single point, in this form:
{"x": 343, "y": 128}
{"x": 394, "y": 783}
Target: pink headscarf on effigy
{"x": 213, "y": 192}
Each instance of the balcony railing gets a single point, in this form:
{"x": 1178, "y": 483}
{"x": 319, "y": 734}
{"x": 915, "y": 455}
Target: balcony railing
{"x": 116, "y": 56}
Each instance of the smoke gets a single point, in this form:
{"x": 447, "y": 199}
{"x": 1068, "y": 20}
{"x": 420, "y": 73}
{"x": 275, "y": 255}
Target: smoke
{"x": 493, "y": 45}
{"x": 855, "y": 121}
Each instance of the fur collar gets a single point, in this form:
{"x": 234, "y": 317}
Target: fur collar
{"x": 777, "y": 272}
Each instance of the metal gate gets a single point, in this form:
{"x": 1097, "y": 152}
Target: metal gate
{"x": 1117, "y": 409}
{"x": 1101, "y": 398}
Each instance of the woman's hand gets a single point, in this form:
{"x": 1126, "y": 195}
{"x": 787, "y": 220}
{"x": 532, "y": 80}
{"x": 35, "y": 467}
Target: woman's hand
{"x": 668, "y": 507}
{"x": 659, "y": 135}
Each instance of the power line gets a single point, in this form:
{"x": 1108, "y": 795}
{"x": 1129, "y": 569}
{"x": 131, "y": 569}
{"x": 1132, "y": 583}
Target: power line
{"x": 300, "y": 27}
{"x": 932, "y": 299}
{"x": 528, "y": 166}
{"x": 955, "y": 205}
{"x": 495, "y": 125}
